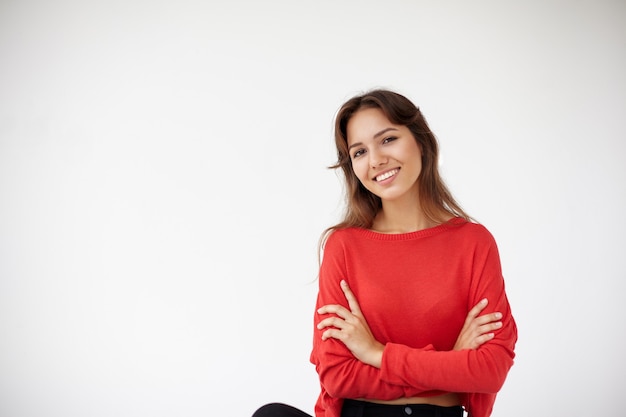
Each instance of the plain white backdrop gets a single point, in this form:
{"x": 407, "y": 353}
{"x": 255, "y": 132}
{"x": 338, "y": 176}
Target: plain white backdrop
{"x": 163, "y": 187}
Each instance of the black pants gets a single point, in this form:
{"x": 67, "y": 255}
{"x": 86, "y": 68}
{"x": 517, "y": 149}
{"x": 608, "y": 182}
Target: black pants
{"x": 354, "y": 408}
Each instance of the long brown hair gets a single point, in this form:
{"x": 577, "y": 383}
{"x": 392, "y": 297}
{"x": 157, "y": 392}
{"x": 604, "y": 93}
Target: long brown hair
{"x": 361, "y": 205}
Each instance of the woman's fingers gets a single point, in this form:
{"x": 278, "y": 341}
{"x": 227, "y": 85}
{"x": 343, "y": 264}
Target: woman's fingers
{"x": 352, "y": 302}
{"x": 489, "y": 327}
{"x": 337, "y": 309}
{"x": 478, "y": 329}
{"x": 475, "y": 311}
{"x": 335, "y": 323}
{"x": 482, "y": 339}
{"x": 489, "y": 318}
{"x": 332, "y": 333}
{"x": 340, "y": 310}
{"x": 331, "y": 322}
{"x": 350, "y": 327}
{"x": 485, "y": 324}
{"x": 473, "y": 318}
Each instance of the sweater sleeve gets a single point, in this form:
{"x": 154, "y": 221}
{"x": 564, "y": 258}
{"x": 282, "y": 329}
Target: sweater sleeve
{"x": 482, "y": 370}
{"x": 341, "y": 374}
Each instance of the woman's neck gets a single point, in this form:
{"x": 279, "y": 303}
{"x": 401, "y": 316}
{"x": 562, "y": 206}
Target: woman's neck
{"x": 401, "y": 217}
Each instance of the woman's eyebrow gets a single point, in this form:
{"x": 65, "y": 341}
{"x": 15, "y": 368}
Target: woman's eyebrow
{"x": 354, "y": 144}
{"x": 382, "y": 132}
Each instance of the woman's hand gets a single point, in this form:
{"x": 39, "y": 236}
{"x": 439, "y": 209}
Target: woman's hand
{"x": 477, "y": 330}
{"x": 350, "y": 327}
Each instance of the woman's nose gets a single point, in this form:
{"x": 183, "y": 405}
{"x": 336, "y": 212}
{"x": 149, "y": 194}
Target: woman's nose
{"x": 377, "y": 158}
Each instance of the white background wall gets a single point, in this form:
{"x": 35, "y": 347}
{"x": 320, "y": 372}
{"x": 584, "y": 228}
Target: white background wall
{"x": 163, "y": 187}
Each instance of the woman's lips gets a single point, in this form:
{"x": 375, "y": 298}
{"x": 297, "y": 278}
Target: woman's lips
{"x": 386, "y": 175}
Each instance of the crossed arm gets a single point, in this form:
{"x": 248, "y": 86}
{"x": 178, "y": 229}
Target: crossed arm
{"x": 350, "y": 327}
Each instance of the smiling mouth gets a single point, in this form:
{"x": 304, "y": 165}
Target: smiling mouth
{"x": 386, "y": 175}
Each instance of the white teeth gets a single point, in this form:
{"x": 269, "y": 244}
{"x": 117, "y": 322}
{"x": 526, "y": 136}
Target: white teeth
{"x": 386, "y": 175}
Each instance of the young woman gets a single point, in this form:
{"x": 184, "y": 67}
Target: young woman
{"x": 412, "y": 316}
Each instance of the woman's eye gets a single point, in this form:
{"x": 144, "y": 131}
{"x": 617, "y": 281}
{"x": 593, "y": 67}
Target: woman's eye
{"x": 389, "y": 139}
{"x": 358, "y": 153}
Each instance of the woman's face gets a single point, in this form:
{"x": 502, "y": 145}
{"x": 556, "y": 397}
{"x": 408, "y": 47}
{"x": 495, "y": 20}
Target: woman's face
{"x": 385, "y": 157}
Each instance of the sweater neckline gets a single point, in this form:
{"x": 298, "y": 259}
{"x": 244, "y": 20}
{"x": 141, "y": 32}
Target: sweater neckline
{"x": 371, "y": 234}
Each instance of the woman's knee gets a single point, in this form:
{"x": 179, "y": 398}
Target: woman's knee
{"x": 278, "y": 410}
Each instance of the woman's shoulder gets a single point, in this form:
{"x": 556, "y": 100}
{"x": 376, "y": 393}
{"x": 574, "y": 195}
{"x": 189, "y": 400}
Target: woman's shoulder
{"x": 337, "y": 235}
{"x": 340, "y": 239}
{"x": 477, "y": 232}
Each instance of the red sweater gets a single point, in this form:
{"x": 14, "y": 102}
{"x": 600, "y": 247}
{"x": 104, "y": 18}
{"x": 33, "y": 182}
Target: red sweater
{"x": 415, "y": 290}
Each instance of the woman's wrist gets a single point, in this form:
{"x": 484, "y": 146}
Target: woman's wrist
{"x": 375, "y": 358}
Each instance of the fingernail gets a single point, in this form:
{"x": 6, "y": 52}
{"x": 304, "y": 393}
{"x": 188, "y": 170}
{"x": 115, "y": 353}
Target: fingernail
{"x": 499, "y": 324}
{"x": 498, "y": 315}
{"x": 343, "y": 283}
{"x": 483, "y": 301}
